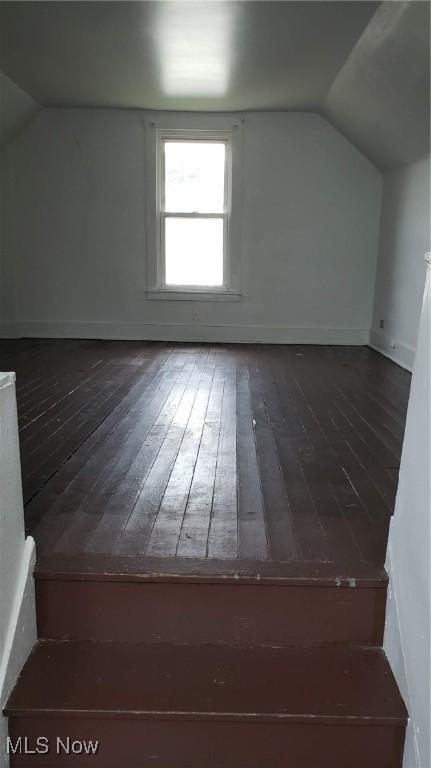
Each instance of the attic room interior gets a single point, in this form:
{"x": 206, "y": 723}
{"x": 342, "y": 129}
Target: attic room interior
{"x": 215, "y": 466}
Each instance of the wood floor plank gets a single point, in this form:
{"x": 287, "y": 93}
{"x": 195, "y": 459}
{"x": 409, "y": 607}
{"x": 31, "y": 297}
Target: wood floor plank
{"x": 355, "y": 444}
{"x": 72, "y": 433}
{"x": 208, "y": 451}
{"x": 95, "y": 488}
{"x": 251, "y": 517}
{"x": 280, "y": 527}
{"x": 347, "y": 526}
{"x": 69, "y": 486}
{"x": 67, "y": 480}
{"x": 151, "y": 469}
{"x": 197, "y": 515}
{"x": 223, "y": 532}
{"x": 292, "y": 440}
{"x": 168, "y": 511}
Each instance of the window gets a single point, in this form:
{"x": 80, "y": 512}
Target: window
{"x": 193, "y": 243}
{"x": 194, "y": 211}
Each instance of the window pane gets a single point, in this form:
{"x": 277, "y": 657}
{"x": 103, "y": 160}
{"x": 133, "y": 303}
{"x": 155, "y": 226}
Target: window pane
{"x": 194, "y": 177}
{"x": 194, "y": 251}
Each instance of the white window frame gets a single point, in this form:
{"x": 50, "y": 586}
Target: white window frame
{"x": 181, "y": 128}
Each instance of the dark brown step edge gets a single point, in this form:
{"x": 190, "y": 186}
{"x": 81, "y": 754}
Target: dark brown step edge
{"x": 209, "y": 744}
{"x": 230, "y": 602}
{"x": 328, "y": 685}
{"x": 90, "y": 567}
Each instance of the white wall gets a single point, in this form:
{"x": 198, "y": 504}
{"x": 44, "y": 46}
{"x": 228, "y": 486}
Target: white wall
{"x": 17, "y": 109}
{"x": 407, "y": 634}
{"x": 404, "y": 238}
{"x": 309, "y": 233}
{"x": 17, "y": 556}
{"x": 7, "y": 283}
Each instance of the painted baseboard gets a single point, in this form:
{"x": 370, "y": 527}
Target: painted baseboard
{"x": 403, "y": 354}
{"x": 20, "y": 636}
{"x": 251, "y": 334}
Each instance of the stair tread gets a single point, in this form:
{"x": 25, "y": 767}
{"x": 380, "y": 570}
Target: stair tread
{"x": 91, "y": 566}
{"x": 327, "y": 684}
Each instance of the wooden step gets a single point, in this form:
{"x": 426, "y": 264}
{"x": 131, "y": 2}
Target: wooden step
{"x": 93, "y": 597}
{"x": 209, "y": 706}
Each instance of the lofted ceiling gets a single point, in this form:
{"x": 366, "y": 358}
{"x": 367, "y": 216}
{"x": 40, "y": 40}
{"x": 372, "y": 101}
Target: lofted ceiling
{"x": 179, "y": 55}
{"x": 362, "y": 64}
{"x": 381, "y": 97}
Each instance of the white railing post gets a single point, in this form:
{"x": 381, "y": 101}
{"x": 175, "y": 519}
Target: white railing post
{"x": 407, "y": 631}
{"x": 17, "y": 556}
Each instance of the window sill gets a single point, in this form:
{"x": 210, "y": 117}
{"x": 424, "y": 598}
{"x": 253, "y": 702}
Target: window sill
{"x": 187, "y": 295}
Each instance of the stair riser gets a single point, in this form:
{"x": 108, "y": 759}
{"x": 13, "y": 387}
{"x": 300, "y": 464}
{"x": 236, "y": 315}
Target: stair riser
{"x": 193, "y": 744}
{"x": 209, "y": 613}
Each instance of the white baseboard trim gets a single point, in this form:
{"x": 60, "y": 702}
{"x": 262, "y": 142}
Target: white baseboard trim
{"x": 397, "y": 351}
{"x": 250, "y": 334}
{"x": 20, "y": 637}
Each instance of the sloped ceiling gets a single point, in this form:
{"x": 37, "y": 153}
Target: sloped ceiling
{"x": 380, "y": 98}
{"x": 364, "y": 65}
{"x": 179, "y": 55}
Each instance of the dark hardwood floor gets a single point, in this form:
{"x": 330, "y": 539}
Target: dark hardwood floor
{"x": 211, "y": 523}
{"x": 286, "y": 453}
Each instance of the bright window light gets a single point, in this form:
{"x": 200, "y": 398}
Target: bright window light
{"x": 194, "y": 212}
{"x": 194, "y": 251}
{"x": 194, "y": 177}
